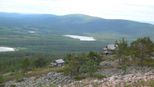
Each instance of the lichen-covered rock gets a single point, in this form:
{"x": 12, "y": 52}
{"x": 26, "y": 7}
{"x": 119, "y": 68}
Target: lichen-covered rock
{"x": 47, "y": 80}
{"x": 119, "y": 80}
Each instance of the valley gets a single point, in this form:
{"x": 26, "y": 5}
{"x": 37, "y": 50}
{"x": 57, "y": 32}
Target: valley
{"x": 43, "y": 33}
{"x": 29, "y": 43}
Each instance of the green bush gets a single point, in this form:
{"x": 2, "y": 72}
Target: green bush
{"x": 40, "y": 62}
{"x": 1, "y": 79}
{"x": 59, "y": 69}
{"x": 19, "y": 77}
{"x": 25, "y": 64}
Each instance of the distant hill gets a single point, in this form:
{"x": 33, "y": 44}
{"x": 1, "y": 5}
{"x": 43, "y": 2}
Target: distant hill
{"x": 75, "y": 23}
{"x": 44, "y": 32}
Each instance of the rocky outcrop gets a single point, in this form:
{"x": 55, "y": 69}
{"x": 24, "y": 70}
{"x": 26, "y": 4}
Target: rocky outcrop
{"x": 114, "y": 81}
{"x": 129, "y": 70}
{"x": 117, "y": 78}
{"x": 48, "y": 80}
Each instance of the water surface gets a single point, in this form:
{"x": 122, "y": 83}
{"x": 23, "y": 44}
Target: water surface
{"x": 81, "y": 38}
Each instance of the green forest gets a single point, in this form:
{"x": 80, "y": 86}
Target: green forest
{"x": 139, "y": 52}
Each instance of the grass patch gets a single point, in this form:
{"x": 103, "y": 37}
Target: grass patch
{"x": 35, "y": 72}
{"x": 38, "y": 71}
{"x": 79, "y": 77}
{"x": 141, "y": 83}
{"x": 149, "y": 62}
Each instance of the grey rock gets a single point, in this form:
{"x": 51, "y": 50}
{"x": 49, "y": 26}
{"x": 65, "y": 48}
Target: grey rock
{"x": 44, "y": 80}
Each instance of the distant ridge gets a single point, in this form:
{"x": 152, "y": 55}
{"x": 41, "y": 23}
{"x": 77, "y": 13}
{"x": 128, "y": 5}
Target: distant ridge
{"x": 75, "y": 23}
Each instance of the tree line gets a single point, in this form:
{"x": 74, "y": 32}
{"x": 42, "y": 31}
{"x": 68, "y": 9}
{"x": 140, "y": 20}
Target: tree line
{"x": 138, "y": 52}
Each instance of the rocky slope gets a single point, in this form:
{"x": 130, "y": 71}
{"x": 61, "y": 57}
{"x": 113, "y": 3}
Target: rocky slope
{"x": 114, "y": 81}
{"x": 49, "y": 80}
{"x": 116, "y": 77}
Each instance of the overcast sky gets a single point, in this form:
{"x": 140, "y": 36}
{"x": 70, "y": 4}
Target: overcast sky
{"x": 139, "y": 10}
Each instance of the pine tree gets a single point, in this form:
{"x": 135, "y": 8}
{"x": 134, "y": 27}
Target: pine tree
{"x": 142, "y": 48}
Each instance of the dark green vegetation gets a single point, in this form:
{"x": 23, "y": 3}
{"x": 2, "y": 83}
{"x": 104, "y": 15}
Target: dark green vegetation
{"x": 139, "y": 53}
{"x": 15, "y": 61}
{"x": 82, "y": 65}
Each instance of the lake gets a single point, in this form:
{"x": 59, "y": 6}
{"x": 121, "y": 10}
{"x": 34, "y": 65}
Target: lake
{"x": 81, "y": 38}
{"x": 6, "y": 49}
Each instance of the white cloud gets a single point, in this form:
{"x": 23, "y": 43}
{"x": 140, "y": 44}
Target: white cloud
{"x": 140, "y": 10}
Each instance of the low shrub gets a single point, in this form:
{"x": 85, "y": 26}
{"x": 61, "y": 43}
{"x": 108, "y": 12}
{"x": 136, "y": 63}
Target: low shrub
{"x": 79, "y": 77}
{"x": 19, "y": 77}
{"x": 13, "y": 86}
{"x": 98, "y": 76}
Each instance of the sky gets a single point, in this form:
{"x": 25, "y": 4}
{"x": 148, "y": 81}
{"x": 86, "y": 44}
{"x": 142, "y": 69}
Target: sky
{"x": 138, "y": 10}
